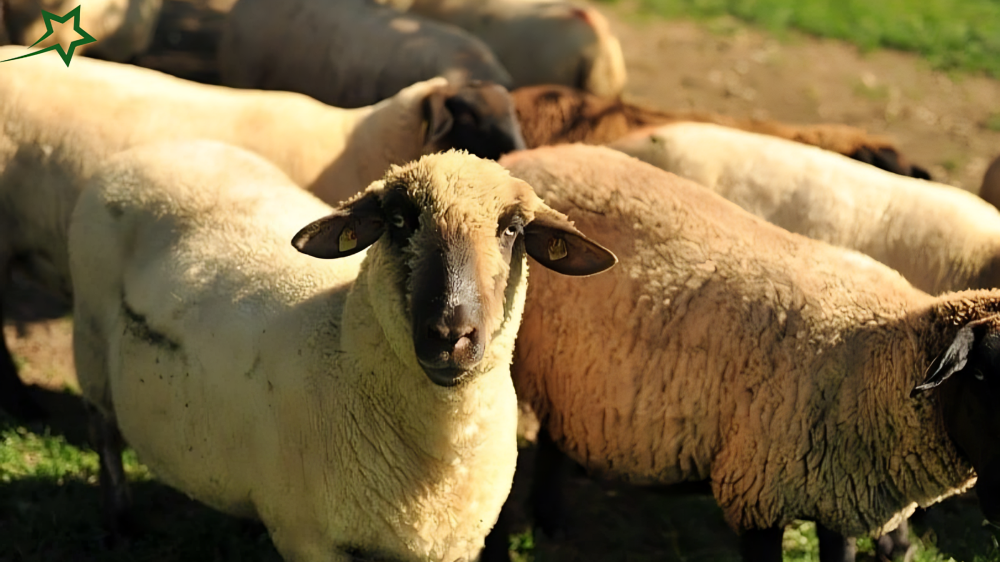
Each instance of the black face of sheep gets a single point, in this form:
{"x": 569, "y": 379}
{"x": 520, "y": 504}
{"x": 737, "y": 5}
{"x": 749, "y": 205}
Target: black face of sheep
{"x": 460, "y": 249}
{"x": 478, "y": 117}
{"x": 971, "y": 403}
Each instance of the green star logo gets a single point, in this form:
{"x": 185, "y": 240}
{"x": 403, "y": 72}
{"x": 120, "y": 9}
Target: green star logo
{"x": 67, "y": 56}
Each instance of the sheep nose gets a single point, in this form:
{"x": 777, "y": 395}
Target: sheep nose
{"x": 450, "y": 345}
{"x": 454, "y": 334}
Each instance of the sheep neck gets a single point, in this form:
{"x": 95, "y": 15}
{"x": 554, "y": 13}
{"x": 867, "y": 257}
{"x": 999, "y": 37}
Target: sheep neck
{"x": 448, "y": 454}
{"x": 911, "y": 460}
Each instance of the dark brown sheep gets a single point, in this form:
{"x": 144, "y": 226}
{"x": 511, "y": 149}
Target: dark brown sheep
{"x": 558, "y": 114}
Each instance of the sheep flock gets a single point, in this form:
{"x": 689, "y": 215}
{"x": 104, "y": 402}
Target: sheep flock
{"x": 335, "y": 285}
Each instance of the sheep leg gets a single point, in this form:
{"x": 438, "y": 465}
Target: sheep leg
{"x": 15, "y": 399}
{"x": 551, "y": 468}
{"x": 896, "y": 542}
{"x": 834, "y": 547}
{"x": 117, "y": 498}
{"x": 762, "y": 545}
{"x": 497, "y": 545}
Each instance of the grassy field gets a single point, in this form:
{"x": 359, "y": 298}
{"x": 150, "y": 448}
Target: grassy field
{"x": 950, "y": 34}
{"x": 50, "y": 512}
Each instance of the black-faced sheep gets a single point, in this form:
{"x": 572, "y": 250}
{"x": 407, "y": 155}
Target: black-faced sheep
{"x": 538, "y": 41}
{"x": 555, "y": 115}
{"x": 59, "y": 125}
{"x": 791, "y": 374}
{"x": 346, "y": 53}
{"x": 941, "y": 238}
{"x": 361, "y": 408}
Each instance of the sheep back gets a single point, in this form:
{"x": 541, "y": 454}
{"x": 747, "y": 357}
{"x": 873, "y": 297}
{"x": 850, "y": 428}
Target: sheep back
{"x": 347, "y": 53}
{"x": 939, "y": 237}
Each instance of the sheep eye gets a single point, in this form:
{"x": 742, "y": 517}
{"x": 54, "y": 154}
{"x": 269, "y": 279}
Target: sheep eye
{"x": 397, "y": 220}
{"x": 511, "y": 231}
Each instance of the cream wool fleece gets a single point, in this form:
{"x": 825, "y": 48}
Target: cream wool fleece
{"x": 268, "y": 383}
{"x": 60, "y": 124}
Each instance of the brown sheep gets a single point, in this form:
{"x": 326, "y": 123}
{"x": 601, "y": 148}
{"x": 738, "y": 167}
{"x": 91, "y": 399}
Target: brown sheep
{"x": 778, "y": 368}
{"x": 557, "y": 114}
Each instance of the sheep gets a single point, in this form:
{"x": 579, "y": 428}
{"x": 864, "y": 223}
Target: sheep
{"x": 539, "y": 41}
{"x": 123, "y": 29}
{"x": 941, "y": 238}
{"x": 789, "y": 373}
{"x": 555, "y": 114}
{"x": 990, "y": 190}
{"x": 361, "y": 409}
{"x": 59, "y": 124}
{"x": 347, "y": 53}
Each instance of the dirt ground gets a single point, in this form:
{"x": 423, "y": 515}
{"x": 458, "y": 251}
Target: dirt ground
{"x": 939, "y": 121}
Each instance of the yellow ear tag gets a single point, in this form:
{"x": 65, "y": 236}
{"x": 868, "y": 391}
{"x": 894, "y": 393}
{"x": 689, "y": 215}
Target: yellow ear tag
{"x": 557, "y": 249}
{"x": 348, "y": 239}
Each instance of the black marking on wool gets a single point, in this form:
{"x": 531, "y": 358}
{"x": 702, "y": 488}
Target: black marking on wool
{"x": 138, "y": 327}
{"x": 361, "y": 554}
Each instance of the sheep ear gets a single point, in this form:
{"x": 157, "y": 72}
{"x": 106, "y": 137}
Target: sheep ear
{"x": 352, "y": 227}
{"x": 953, "y": 360}
{"x": 554, "y": 242}
{"x": 438, "y": 120}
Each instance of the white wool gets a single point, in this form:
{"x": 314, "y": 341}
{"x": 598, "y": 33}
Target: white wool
{"x": 538, "y": 41}
{"x": 940, "y": 238}
{"x": 54, "y": 137}
{"x": 268, "y": 383}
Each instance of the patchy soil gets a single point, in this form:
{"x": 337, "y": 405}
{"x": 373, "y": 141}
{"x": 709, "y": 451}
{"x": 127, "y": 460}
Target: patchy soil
{"x": 939, "y": 121}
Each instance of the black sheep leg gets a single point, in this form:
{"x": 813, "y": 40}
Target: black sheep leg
{"x": 894, "y": 543}
{"x": 762, "y": 545}
{"x": 15, "y": 399}
{"x": 497, "y": 547}
{"x": 551, "y": 469}
{"x": 834, "y": 547}
{"x": 107, "y": 441}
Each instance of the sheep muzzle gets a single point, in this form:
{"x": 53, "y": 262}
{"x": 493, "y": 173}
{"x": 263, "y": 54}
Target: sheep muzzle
{"x": 448, "y": 333}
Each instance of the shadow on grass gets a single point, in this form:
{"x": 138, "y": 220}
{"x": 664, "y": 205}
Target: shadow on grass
{"x": 58, "y": 518}
{"x": 44, "y": 520}
{"x": 613, "y": 521}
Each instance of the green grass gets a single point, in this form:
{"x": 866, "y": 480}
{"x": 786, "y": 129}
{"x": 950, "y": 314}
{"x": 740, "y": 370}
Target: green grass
{"x": 50, "y": 512}
{"x": 951, "y": 34}
{"x": 993, "y": 122}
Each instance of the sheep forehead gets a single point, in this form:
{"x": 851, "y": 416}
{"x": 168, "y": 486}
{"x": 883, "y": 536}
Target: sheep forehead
{"x": 463, "y": 195}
